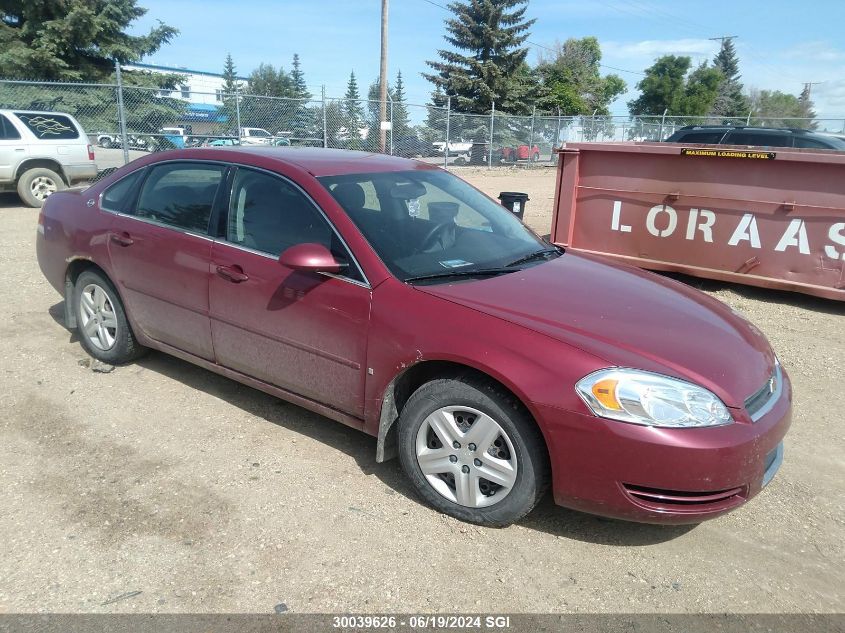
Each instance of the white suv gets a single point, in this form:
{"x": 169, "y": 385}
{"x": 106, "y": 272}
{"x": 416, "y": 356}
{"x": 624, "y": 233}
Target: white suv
{"x": 41, "y": 153}
{"x": 255, "y": 136}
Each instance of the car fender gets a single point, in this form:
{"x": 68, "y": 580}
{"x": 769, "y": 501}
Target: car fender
{"x": 460, "y": 338}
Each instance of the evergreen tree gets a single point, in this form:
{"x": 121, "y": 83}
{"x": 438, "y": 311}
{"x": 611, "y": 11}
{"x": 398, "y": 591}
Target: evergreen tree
{"x": 231, "y": 88}
{"x": 73, "y": 40}
{"x": 488, "y": 36}
{"x": 373, "y": 141}
{"x": 434, "y": 128}
{"x": 401, "y": 120}
{"x": 305, "y": 118}
{"x": 353, "y": 114}
{"x": 730, "y": 101}
{"x": 668, "y": 86}
{"x": 300, "y": 89}
{"x": 230, "y": 75}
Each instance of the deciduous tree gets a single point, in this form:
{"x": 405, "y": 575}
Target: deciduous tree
{"x": 669, "y": 86}
{"x": 571, "y": 79}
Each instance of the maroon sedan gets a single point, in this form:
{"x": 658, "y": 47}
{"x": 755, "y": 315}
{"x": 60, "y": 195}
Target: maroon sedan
{"x": 391, "y": 296}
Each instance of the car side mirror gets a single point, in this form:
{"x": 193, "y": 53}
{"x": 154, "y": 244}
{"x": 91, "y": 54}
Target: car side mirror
{"x": 310, "y": 257}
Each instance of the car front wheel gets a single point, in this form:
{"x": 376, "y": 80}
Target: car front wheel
{"x": 101, "y": 319}
{"x": 472, "y": 451}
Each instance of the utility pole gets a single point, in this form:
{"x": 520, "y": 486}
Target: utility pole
{"x": 723, "y": 38}
{"x": 383, "y": 78}
{"x": 808, "y": 87}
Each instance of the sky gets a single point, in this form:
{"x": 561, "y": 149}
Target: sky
{"x": 780, "y": 44}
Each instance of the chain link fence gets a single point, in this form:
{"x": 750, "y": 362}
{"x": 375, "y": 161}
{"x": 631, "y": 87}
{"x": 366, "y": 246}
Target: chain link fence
{"x": 124, "y": 122}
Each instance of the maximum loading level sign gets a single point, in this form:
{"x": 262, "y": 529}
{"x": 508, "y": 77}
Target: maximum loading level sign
{"x": 727, "y": 153}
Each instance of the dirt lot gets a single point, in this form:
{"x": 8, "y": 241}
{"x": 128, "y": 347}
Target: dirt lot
{"x": 161, "y": 487}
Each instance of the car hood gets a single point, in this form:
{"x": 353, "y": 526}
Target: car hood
{"x": 627, "y": 317}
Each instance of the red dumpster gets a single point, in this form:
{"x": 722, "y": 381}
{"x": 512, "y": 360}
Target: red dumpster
{"x": 772, "y": 219}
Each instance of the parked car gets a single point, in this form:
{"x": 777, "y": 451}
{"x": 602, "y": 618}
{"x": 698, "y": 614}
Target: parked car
{"x": 390, "y": 295}
{"x": 222, "y": 142}
{"x": 41, "y": 153}
{"x": 134, "y": 141}
{"x": 758, "y": 136}
{"x": 172, "y": 138}
{"x": 521, "y": 152}
{"x": 255, "y": 136}
{"x": 412, "y": 147}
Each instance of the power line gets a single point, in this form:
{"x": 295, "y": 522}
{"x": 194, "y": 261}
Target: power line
{"x": 548, "y": 48}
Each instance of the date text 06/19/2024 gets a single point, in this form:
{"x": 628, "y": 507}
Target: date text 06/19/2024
{"x": 489, "y": 622}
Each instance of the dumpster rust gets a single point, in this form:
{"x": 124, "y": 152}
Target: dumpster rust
{"x": 774, "y": 219}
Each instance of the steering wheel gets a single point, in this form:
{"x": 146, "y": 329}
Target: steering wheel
{"x": 433, "y": 235}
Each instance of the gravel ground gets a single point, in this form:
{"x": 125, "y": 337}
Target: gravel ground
{"x": 161, "y": 487}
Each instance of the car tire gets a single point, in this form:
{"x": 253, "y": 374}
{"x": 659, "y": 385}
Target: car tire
{"x": 103, "y": 328}
{"x": 106, "y": 143}
{"x": 511, "y": 450}
{"x": 536, "y": 157}
{"x": 37, "y": 184}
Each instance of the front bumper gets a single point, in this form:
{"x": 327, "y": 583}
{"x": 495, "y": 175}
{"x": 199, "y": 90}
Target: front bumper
{"x": 655, "y": 475}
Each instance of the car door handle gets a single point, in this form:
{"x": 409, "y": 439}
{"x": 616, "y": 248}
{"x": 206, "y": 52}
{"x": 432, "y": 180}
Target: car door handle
{"x": 235, "y": 274}
{"x": 122, "y": 239}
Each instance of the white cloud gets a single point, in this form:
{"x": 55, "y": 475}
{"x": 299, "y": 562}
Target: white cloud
{"x": 652, "y": 49}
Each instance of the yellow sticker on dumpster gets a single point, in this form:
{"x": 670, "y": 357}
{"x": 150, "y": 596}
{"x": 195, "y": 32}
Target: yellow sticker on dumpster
{"x": 727, "y": 153}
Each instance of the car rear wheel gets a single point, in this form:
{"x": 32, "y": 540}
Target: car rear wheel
{"x": 101, "y": 319}
{"x": 472, "y": 451}
{"x": 37, "y": 184}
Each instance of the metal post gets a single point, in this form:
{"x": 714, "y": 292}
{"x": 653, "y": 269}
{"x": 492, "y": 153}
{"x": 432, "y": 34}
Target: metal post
{"x": 531, "y": 137}
{"x": 748, "y": 118}
{"x": 490, "y": 149}
{"x": 557, "y": 131}
{"x": 391, "y": 123}
{"x": 446, "y": 148}
{"x": 325, "y": 130}
{"x": 238, "y": 111}
{"x": 662, "y": 123}
{"x": 121, "y": 113}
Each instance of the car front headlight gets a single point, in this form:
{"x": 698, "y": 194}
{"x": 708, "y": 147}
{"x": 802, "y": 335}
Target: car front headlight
{"x": 641, "y": 397}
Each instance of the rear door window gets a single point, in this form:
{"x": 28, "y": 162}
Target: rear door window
{"x": 118, "y": 196}
{"x": 8, "y": 132}
{"x": 757, "y": 138}
{"x": 803, "y": 141}
{"x": 180, "y": 194}
{"x": 702, "y": 137}
{"x": 49, "y": 126}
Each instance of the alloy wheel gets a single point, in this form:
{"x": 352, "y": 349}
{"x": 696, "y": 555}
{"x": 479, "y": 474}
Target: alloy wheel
{"x": 99, "y": 322}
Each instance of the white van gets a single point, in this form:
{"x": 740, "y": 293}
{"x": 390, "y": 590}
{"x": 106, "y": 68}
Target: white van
{"x": 41, "y": 153}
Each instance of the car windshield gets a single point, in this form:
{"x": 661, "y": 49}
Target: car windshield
{"x": 430, "y": 224}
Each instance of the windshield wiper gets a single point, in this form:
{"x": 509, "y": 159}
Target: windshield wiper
{"x": 480, "y": 272}
{"x": 534, "y": 255}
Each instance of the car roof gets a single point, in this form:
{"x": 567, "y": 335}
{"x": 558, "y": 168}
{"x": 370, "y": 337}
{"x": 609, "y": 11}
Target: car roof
{"x": 318, "y": 161}
{"x": 747, "y": 128}
{"x": 33, "y": 111}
